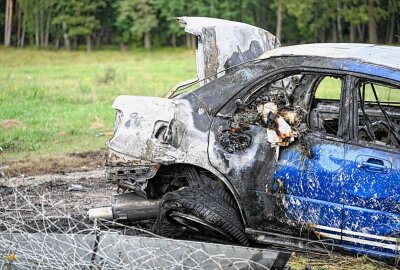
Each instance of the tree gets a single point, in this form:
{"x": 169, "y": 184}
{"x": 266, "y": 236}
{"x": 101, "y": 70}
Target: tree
{"x": 8, "y": 22}
{"x": 355, "y": 13}
{"x": 77, "y": 19}
{"x": 279, "y": 5}
{"x": 168, "y": 10}
{"x": 139, "y": 17}
{"x": 393, "y": 8}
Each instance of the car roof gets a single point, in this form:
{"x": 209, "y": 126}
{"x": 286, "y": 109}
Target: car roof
{"x": 388, "y": 56}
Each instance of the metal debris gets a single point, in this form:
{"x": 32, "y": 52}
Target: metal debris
{"x": 75, "y": 187}
{"x": 224, "y": 44}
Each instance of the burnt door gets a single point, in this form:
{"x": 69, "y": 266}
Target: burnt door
{"x": 311, "y": 172}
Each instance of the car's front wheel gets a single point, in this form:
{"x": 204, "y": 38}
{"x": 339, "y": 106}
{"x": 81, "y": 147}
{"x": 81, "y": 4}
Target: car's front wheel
{"x": 206, "y": 210}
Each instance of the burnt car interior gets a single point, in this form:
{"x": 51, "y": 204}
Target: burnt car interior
{"x": 379, "y": 114}
{"x": 324, "y": 113}
{"x": 312, "y": 101}
{"x": 305, "y": 101}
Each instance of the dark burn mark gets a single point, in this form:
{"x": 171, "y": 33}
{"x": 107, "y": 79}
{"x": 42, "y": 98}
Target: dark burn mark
{"x": 233, "y": 142}
{"x": 211, "y": 52}
{"x": 254, "y": 51}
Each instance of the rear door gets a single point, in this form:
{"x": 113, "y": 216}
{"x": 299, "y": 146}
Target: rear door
{"x": 372, "y": 172}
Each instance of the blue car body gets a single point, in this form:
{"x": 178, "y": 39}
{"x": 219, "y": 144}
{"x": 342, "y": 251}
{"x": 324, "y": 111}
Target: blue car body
{"x": 291, "y": 161}
{"x": 350, "y": 193}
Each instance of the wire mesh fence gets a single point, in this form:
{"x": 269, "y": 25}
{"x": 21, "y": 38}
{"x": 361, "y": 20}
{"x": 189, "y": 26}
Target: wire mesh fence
{"x": 45, "y": 227}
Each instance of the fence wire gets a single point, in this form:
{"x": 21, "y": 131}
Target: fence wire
{"x": 39, "y": 231}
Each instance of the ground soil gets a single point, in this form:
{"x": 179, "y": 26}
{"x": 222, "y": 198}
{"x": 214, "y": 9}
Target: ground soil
{"x": 52, "y": 164}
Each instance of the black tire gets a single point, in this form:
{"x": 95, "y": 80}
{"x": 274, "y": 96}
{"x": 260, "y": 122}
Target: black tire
{"x": 210, "y": 209}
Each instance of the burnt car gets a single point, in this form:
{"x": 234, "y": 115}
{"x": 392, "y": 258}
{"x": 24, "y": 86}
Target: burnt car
{"x": 294, "y": 145}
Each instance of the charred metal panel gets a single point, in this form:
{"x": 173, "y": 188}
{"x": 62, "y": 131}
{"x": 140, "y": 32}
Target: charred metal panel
{"x": 249, "y": 170}
{"x": 224, "y": 44}
{"x": 388, "y": 56}
{"x": 160, "y": 131}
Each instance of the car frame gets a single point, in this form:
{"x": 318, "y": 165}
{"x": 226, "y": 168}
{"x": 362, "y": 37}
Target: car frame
{"x": 246, "y": 157}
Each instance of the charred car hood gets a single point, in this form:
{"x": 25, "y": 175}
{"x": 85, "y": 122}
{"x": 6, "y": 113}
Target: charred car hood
{"x": 224, "y": 44}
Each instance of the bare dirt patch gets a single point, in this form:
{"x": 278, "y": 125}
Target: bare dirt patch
{"x": 46, "y": 164}
{"x": 97, "y": 124}
{"x": 10, "y": 124}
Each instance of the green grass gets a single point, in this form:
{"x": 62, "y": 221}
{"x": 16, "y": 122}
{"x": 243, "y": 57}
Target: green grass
{"x": 329, "y": 88}
{"x": 63, "y": 99}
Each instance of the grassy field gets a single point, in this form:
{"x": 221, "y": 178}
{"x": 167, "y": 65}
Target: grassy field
{"x": 60, "y": 102}
{"x": 54, "y": 103}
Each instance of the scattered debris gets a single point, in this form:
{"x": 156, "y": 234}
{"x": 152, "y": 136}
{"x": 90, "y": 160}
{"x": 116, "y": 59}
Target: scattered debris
{"x": 75, "y": 187}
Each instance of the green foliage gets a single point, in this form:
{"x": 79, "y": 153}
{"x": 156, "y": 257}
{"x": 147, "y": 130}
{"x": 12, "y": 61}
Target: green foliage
{"x": 77, "y": 17}
{"x": 126, "y": 22}
{"x": 135, "y": 17}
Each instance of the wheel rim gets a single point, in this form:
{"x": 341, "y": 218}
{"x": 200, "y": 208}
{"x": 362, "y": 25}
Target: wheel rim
{"x": 198, "y": 225}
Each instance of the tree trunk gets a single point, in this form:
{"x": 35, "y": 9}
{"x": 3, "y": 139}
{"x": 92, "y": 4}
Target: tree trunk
{"x": 75, "y": 46}
{"x": 37, "y": 26}
{"x": 147, "y": 40}
{"x": 352, "y": 33}
{"x": 41, "y": 24}
{"x": 19, "y": 23}
{"x": 24, "y": 25}
{"x": 372, "y": 31}
{"x": 264, "y": 9}
{"x": 391, "y": 22}
{"x": 67, "y": 43}
{"x": 48, "y": 25}
{"x": 8, "y": 23}
{"x": 57, "y": 43}
{"x": 334, "y": 32}
{"x": 22, "y": 43}
{"x": 188, "y": 41}
{"x": 398, "y": 31}
{"x": 361, "y": 32}
{"x": 88, "y": 43}
{"x": 339, "y": 24}
{"x": 123, "y": 47}
{"x": 99, "y": 37}
{"x": 97, "y": 41}
{"x": 321, "y": 35}
{"x": 279, "y": 19}
{"x": 173, "y": 40}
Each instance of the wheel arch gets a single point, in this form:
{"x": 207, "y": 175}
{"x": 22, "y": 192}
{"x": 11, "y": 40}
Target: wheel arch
{"x": 216, "y": 176}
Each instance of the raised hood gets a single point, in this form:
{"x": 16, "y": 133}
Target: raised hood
{"x": 224, "y": 44}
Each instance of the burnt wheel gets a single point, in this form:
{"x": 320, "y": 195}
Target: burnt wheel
{"x": 205, "y": 211}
